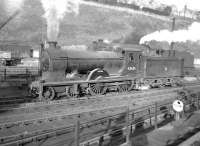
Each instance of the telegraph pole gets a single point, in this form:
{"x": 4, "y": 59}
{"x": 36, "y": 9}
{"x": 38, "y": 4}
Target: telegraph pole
{"x": 185, "y": 10}
{"x": 172, "y": 29}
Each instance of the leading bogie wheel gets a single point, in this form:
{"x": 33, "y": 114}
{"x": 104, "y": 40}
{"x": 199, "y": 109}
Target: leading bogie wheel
{"x": 34, "y": 92}
{"x": 70, "y": 92}
{"x": 49, "y": 93}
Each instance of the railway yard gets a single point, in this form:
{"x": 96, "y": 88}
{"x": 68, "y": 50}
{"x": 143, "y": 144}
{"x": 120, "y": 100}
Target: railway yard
{"x": 55, "y": 122}
{"x": 128, "y": 91}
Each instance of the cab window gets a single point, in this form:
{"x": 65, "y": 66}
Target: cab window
{"x": 131, "y": 58}
{"x": 140, "y": 57}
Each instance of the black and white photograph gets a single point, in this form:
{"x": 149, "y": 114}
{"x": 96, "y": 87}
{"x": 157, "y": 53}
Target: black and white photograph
{"x": 99, "y": 73}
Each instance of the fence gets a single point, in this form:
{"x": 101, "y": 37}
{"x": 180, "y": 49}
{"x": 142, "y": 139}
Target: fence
{"x": 124, "y": 124}
{"x": 10, "y": 73}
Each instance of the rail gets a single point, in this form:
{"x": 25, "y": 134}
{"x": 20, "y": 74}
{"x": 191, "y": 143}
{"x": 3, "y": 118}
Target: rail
{"x": 74, "y": 83}
{"x": 106, "y": 128}
{"x": 193, "y": 141}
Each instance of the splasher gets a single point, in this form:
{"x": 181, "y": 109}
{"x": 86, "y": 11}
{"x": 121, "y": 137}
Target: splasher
{"x": 55, "y": 11}
{"x": 190, "y": 34}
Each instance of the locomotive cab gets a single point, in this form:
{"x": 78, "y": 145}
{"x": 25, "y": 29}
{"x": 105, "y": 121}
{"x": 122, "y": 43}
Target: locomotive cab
{"x": 132, "y": 62}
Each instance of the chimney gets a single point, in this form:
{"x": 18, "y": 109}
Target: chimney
{"x": 52, "y": 44}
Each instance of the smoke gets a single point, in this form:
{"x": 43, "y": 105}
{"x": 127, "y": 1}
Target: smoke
{"x": 13, "y": 5}
{"x": 190, "y": 34}
{"x": 55, "y": 11}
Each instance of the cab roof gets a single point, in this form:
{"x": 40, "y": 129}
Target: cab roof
{"x": 130, "y": 47}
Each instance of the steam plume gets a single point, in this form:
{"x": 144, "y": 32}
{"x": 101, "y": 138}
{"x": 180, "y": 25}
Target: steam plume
{"x": 55, "y": 11}
{"x": 190, "y": 34}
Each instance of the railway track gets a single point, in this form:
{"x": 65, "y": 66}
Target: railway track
{"x": 33, "y": 118}
{"x": 11, "y": 100}
{"x": 9, "y": 103}
{"x": 15, "y": 103}
{"x": 192, "y": 139}
{"x": 41, "y": 132}
{"x": 88, "y": 129}
{"x": 74, "y": 105}
{"x": 127, "y": 10}
{"x": 70, "y": 104}
{"x": 43, "y": 117}
{"x": 27, "y": 100}
{"x": 83, "y": 105}
{"x": 52, "y": 124}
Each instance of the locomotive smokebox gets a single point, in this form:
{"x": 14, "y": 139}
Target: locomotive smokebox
{"x": 52, "y": 44}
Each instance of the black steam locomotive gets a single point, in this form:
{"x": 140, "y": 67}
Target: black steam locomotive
{"x": 99, "y": 71}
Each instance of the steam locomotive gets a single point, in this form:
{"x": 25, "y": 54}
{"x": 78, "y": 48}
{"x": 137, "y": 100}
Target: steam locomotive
{"x": 99, "y": 71}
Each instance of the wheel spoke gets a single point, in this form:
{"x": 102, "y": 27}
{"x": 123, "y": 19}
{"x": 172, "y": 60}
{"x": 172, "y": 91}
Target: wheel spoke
{"x": 34, "y": 92}
{"x": 70, "y": 92}
{"x": 123, "y": 88}
{"x": 49, "y": 93}
{"x": 96, "y": 89}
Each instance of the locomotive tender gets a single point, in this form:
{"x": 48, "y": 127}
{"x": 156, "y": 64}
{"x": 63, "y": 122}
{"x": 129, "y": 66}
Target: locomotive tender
{"x": 97, "y": 72}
